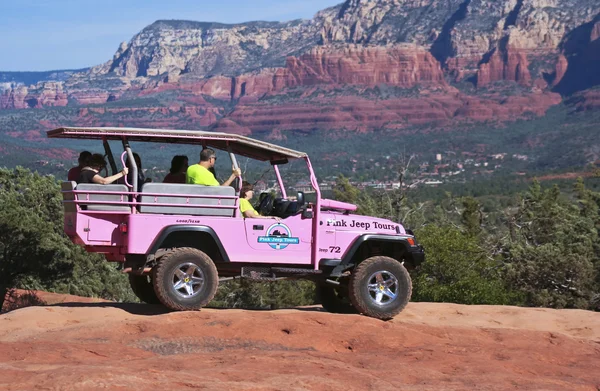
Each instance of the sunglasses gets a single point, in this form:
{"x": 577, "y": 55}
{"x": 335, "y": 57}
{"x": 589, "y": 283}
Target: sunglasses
{"x": 214, "y": 157}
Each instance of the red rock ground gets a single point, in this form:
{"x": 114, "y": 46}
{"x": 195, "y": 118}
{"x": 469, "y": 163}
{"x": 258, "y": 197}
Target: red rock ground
{"x": 83, "y": 346}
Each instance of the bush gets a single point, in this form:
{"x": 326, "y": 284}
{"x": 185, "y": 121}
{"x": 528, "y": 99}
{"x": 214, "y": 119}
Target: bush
{"x": 34, "y": 251}
{"x": 457, "y": 270}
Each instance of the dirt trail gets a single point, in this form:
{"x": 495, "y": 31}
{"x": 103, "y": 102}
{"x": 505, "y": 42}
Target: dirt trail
{"x": 82, "y": 346}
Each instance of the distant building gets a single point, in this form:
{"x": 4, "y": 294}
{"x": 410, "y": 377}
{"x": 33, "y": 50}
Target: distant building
{"x": 303, "y": 186}
{"x": 438, "y": 157}
{"x": 325, "y": 186}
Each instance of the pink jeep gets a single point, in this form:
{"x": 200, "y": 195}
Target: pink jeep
{"x": 177, "y": 241}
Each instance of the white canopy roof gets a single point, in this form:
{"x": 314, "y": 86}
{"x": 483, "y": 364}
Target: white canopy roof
{"x": 240, "y": 145}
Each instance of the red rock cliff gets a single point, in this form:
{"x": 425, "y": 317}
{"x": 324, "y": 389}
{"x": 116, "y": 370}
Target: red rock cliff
{"x": 401, "y": 65}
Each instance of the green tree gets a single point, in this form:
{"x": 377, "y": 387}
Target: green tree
{"x": 344, "y": 191}
{"x": 550, "y": 252}
{"x": 472, "y": 217}
{"x": 458, "y": 270}
{"x": 35, "y": 253}
{"x": 32, "y": 250}
{"x": 589, "y": 202}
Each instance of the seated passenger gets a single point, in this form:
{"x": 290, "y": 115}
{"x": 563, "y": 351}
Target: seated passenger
{"x": 246, "y": 208}
{"x": 179, "y": 166}
{"x": 199, "y": 174}
{"x": 74, "y": 172}
{"x": 95, "y": 164}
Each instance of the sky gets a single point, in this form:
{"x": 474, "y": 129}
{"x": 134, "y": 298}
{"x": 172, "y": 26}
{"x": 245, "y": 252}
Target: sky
{"x": 42, "y": 35}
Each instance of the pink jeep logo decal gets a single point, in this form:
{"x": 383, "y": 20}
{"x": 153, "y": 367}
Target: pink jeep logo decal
{"x": 279, "y": 237}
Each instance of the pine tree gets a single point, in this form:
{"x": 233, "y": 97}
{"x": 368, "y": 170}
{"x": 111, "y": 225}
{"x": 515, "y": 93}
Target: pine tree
{"x": 35, "y": 253}
{"x": 458, "y": 270}
{"x": 472, "y": 217}
{"x": 550, "y": 254}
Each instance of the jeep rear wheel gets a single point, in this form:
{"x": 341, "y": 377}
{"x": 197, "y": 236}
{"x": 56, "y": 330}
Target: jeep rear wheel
{"x": 380, "y": 287}
{"x": 185, "y": 279}
{"x": 143, "y": 288}
{"x": 335, "y": 298}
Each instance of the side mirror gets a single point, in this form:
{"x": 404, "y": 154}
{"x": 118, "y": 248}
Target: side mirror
{"x": 307, "y": 214}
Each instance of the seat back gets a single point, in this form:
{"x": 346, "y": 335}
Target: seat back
{"x": 119, "y": 196}
{"x": 170, "y": 189}
{"x": 67, "y": 188}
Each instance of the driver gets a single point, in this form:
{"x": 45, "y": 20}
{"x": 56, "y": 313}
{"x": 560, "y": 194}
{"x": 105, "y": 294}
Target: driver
{"x": 200, "y": 174}
{"x": 246, "y": 207}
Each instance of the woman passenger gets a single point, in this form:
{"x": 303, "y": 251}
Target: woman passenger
{"x": 246, "y": 208}
{"x": 95, "y": 164}
{"x": 179, "y": 166}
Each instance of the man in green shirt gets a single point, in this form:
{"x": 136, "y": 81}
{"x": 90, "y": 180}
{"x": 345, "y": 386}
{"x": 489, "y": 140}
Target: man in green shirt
{"x": 199, "y": 174}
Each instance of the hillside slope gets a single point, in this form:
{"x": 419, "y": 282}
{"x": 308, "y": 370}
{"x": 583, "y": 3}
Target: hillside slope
{"x": 82, "y": 346}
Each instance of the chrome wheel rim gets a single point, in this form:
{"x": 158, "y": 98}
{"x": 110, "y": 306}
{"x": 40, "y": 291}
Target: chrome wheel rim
{"x": 187, "y": 280}
{"x": 383, "y": 287}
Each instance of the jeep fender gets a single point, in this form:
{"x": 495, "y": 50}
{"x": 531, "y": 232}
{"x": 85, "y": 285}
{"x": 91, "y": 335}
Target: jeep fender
{"x": 412, "y": 254}
{"x": 195, "y": 236}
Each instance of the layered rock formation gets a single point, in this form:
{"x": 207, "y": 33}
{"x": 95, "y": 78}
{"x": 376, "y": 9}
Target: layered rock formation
{"x": 581, "y": 48}
{"x": 14, "y": 97}
{"x": 174, "y": 47}
{"x": 357, "y": 114}
{"x": 512, "y": 65}
{"x": 400, "y": 65}
{"x": 361, "y": 65}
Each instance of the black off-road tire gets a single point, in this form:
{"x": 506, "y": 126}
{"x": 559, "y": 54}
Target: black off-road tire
{"x": 164, "y": 275}
{"x": 334, "y": 299}
{"x": 143, "y": 288}
{"x": 361, "y": 297}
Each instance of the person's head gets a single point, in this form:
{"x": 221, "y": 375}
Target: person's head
{"x": 96, "y": 161}
{"x": 179, "y": 164}
{"x": 83, "y": 158}
{"x": 247, "y": 190}
{"x": 137, "y": 159}
{"x": 208, "y": 155}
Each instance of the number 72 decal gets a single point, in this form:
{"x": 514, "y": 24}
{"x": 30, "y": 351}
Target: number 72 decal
{"x": 335, "y": 249}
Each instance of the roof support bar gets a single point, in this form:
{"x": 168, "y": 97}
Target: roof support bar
{"x": 316, "y": 215}
{"x": 109, "y": 155}
{"x": 280, "y": 181}
{"x": 132, "y": 165}
{"x": 235, "y": 166}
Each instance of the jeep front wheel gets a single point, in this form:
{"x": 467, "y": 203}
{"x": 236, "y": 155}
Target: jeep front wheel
{"x": 185, "y": 279}
{"x": 380, "y": 287}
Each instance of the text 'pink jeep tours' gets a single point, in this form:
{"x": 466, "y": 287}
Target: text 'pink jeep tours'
{"x": 177, "y": 240}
